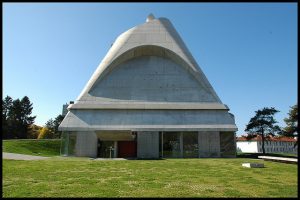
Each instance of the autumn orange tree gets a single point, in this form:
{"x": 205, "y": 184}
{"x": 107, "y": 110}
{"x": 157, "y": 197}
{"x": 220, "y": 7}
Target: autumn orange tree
{"x": 46, "y": 133}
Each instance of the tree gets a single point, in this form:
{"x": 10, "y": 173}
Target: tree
{"x": 6, "y": 107}
{"x": 57, "y": 122}
{"x": 263, "y": 124}
{"x": 53, "y": 125}
{"x": 16, "y": 115}
{"x": 34, "y": 131}
{"x": 15, "y": 119}
{"x": 26, "y": 119}
{"x": 291, "y": 129}
{"x": 50, "y": 128}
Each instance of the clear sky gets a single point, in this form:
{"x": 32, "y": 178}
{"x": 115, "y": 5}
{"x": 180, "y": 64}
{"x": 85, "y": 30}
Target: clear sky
{"x": 248, "y": 51}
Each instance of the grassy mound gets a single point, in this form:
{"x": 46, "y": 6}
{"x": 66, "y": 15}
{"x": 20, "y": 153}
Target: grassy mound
{"x": 32, "y": 147}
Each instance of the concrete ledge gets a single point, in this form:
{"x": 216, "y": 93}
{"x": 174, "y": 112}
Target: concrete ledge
{"x": 147, "y": 105}
{"x": 253, "y": 165}
{"x": 280, "y": 159}
{"x": 213, "y": 127}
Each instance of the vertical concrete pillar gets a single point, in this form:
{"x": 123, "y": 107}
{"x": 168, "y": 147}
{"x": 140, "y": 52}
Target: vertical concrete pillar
{"x": 86, "y": 144}
{"x": 181, "y": 144}
{"x": 209, "y": 144}
{"x": 115, "y": 149}
{"x": 162, "y": 144}
{"x": 147, "y": 144}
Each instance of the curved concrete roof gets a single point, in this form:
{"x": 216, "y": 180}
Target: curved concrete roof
{"x": 155, "y": 32}
{"x": 157, "y": 40}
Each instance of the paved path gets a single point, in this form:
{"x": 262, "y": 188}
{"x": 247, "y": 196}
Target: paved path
{"x": 15, "y": 156}
{"x": 279, "y": 159}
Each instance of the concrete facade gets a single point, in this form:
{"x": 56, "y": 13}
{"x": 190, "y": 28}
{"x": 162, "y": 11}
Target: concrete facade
{"x": 150, "y": 83}
{"x": 209, "y": 144}
{"x": 86, "y": 144}
{"x": 148, "y": 144}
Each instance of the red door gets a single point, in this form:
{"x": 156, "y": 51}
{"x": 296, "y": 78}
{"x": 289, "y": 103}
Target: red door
{"x": 126, "y": 149}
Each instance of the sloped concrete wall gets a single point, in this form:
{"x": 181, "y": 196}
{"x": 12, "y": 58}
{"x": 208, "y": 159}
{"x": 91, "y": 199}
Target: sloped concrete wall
{"x": 151, "y": 78}
{"x": 209, "y": 144}
{"x": 86, "y": 144}
{"x": 147, "y": 144}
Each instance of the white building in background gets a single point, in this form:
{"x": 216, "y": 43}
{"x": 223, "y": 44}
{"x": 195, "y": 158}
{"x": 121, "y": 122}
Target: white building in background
{"x": 272, "y": 145}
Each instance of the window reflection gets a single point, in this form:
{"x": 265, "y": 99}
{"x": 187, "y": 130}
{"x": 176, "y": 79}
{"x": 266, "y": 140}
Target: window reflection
{"x": 190, "y": 145}
{"x": 179, "y": 144}
{"x": 171, "y": 145}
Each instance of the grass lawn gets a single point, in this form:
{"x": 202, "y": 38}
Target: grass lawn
{"x": 205, "y": 177}
{"x": 32, "y": 147}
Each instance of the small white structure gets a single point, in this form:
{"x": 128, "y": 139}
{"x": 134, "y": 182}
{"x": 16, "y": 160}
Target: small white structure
{"x": 272, "y": 145}
{"x": 253, "y": 165}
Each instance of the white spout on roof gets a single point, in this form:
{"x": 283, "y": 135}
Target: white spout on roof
{"x": 150, "y": 17}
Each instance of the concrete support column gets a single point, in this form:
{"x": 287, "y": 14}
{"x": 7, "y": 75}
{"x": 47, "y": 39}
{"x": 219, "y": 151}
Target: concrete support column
{"x": 209, "y": 144}
{"x": 181, "y": 144}
{"x": 115, "y": 149}
{"x": 86, "y": 144}
{"x": 162, "y": 144}
{"x": 148, "y": 144}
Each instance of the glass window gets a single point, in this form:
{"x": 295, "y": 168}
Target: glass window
{"x": 105, "y": 149}
{"x": 190, "y": 144}
{"x": 160, "y": 144}
{"x": 68, "y": 142}
{"x": 64, "y": 144}
{"x": 72, "y": 144}
{"x": 171, "y": 145}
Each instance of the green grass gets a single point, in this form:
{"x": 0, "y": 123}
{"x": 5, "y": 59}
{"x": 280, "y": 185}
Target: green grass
{"x": 32, "y": 147}
{"x": 82, "y": 177}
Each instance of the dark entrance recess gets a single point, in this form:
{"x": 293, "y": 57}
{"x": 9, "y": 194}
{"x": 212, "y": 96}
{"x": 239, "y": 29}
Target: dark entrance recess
{"x": 104, "y": 149}
{"x": 127, "y": 149}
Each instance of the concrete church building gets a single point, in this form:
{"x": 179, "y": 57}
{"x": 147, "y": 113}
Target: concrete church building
{"x": 148, "y": 98}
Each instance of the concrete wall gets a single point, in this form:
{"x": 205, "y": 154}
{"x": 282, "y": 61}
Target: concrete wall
{"x": 86, "y": 144}
{"x": 247, "y": 146}
{"x": 209, "y": 144}
{"x": 147, "y": 144}
{"x": 152, "y": 78}
{"x": 150, "y": 117}
{"x": 270, "y": 147}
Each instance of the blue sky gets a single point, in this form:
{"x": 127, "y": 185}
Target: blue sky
{"x": 248, "y": 51}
